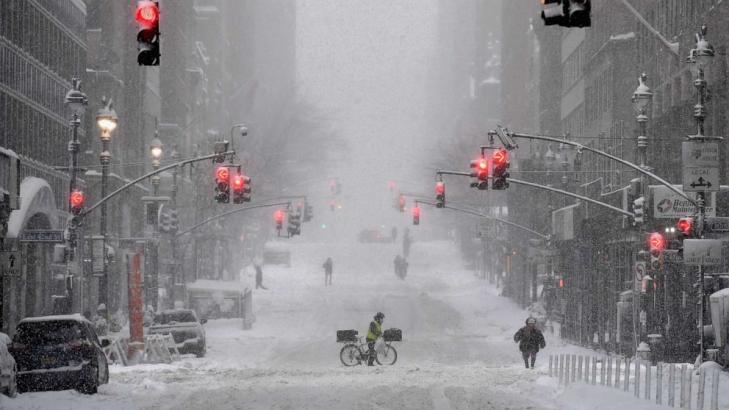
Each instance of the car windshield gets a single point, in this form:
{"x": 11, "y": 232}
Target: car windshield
{"x": 169, "y": 317}
{"x": 49, "y": 332}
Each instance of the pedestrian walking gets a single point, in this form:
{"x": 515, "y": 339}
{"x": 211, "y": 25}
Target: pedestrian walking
{"x": 328, "y": 268}
{"x": 530, "y": 340}
{"x": 259, "y": 277}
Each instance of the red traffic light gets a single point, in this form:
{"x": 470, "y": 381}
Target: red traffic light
{"x": 77, "y": 199}
{"x": 222, "y": 174}
{"x": 238, "y": 183}
{"x": 483, "y": 164}
{"x": 500, "y": 157}
{"x": 685, "y": 225}
{"x": 656, "y": 242}
{"x": 416, "y": 211}
{"x": 278, "y": 216}
{"x": 147, "y": 13}
{"x": 440, "y": 188}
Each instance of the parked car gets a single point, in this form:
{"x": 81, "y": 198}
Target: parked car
{"x": 186, "y": 329}
{"x": 59, "y": 352}
{"x": 8, "y": 371}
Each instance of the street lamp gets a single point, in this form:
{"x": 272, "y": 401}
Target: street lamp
{"x": 155, "y": 151}
{"x": 641, "y": 99}
{"x": 107, "y": 121}
{"x": 699, "y": 59}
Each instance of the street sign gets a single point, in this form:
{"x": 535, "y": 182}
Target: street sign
{"x": 9, "y": 263}
{"x": 702, "y": 252}
{"x": 669, "y": 205}
{"x": 639, "y": 268}
{"x": 42, "y": 235}
{"x": 718, "y": 224}
{"x": 700, "y": 166}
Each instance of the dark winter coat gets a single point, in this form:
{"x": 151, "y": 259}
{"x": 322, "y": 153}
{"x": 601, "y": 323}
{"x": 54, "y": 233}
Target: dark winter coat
{"x": 530, "y": 340}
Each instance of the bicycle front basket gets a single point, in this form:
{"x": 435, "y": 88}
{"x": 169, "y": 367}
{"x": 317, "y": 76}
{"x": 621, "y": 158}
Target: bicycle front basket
{"x": 347, "y": 335}
{"x": 392, "y": 335}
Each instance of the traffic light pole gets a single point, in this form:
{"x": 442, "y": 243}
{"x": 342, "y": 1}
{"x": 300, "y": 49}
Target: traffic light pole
{"x": 224, "y": 214}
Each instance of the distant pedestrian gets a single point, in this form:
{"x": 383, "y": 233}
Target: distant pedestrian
{"x": 530, "y": 340}
{"x": 259, "y": 277}
{"x": 328, "y": 268}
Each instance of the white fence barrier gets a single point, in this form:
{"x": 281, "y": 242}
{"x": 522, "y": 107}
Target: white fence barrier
{"x": 569, "y": 368}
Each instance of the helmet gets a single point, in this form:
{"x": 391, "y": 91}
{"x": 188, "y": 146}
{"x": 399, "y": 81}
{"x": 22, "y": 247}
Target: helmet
{"x": 531, "y": 320}
{"x": 379, "y": 316}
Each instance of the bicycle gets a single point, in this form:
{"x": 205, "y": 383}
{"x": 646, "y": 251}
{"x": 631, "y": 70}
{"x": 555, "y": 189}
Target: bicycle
{"x": 355, "y": 353}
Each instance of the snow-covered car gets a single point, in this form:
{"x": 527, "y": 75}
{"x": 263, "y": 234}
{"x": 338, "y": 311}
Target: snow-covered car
{"x": 185, "y": 328}
{"x": 8, "y": 382}
{"x": 59, "y": 352}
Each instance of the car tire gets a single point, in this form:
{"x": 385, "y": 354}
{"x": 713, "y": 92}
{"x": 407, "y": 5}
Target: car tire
{"x": 201, "y": 352}
{"x": 90, "y": 382}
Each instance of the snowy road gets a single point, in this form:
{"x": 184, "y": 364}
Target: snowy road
{"x": 457, "y": 351}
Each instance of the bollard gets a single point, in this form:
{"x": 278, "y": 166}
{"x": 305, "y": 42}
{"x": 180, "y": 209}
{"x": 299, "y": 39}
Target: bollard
{"x": 659, "y": 383}
{"x": 647, "y": 380}
{"x": 587, "y": 369}
{"x": 626, "y": 382}
{"x": 672, "y": 385}
{"x": 574, "y": 366}
{"x": 700, "y": 391}
{"x": 594, "y": 370}
{"x": 579, "y": 367}
{"x": 609, "y": 371}
{"x": 551, "y": 360}
{"x": 618, "y": 361}
{"x": 602, "y": 371}
{"x": 567, "y": 370}
{"x": 715, "y": 390}
{"x": 682, "y": 398}
{"x": 561, "y": 368}
{"x": 637, "y": 378}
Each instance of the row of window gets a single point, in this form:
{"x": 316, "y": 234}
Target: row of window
{"x": 572, "y": 69}
{"x": 69, "y": 12}
{"x": 23, "y": 24}
{"x": 30, "y": 132}
{"x": 31, "y": 80}
{"x": 599, "y": 95}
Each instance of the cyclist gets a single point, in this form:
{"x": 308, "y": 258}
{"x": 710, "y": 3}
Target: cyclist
{"x": 374, "y": 332}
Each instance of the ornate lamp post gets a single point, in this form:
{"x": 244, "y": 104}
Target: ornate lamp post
{"x": 107, "y": 121}
{"x": 155, "y": 152}
{"x": 641, "y": 99}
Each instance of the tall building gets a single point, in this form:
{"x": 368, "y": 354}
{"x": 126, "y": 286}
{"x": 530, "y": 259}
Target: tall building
{"x": 35, "y": 74}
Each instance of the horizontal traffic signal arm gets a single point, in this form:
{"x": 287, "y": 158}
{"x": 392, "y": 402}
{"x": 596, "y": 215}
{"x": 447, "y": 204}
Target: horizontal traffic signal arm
{"x": 493, "y": 218}
{"x": 573, "y": 195}
{"x": 580, "y": 147}
{"x": 231, "y": 212}
{"x": 153, "y": 173}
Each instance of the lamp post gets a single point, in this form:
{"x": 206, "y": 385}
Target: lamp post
{"x": 699, "y": 59}
{"x": 107, "y": 121}
{"x": 77, "y": 102}
{"x": 174, "y": 266}
{"x": 641, "y": 100}
{"x": 155, "y": 152}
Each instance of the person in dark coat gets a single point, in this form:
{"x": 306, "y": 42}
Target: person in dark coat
{"x": 530, "y": 340}
{"x": 328, "y": 268}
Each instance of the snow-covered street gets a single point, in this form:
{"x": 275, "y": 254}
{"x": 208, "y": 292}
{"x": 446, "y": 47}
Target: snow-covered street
{"x": 457, "y": 351}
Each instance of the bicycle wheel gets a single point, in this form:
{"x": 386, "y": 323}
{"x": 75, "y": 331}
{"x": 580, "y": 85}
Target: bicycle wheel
{"x": 388, "y": 356}
{"x": 349, "y": 355}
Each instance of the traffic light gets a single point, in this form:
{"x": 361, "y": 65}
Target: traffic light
{"x": 440, "y": 194}
{"x": 639, "y": 210}
{"x": 174, "y": 221}
{"x": 686, "y": 226}
{"x": 77, "y": 199}
{"x": 656, "y": 245}
{"x": 241, "y": 186}
{"x": 481, "y": 173}
{"x": 147, "y": 17}
{"x": 278, "y": 217}
{"x": 416, "y": 215}
{"x": 222, "y": 184}
{"x": 567, "y": 13}
{"x": 163, "y": 221}
{"x": 294, "y": 227}
{"x": 308, "y": 212}
{"x": 500, "y": 162}
{"x": 401, "y": 203}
